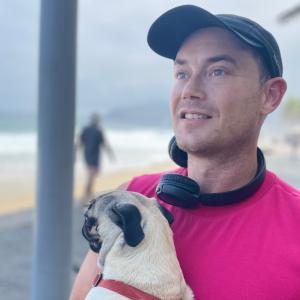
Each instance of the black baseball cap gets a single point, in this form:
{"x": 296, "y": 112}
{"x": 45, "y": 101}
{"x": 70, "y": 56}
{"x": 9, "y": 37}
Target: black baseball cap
{"x": 170, "y": 30}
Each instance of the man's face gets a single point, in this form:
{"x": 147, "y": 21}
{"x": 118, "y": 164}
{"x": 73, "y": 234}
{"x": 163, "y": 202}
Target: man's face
{"x": 217, "y": 93}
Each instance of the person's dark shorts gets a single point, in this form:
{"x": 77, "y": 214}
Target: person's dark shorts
{"x": 92, "y": 160}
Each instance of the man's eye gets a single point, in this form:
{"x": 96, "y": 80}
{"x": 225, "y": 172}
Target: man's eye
{"x": 181, "y": 75}
{"x": 218, "y": 72}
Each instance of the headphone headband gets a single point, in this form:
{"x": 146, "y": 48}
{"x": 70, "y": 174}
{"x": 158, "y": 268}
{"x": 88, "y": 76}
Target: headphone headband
{"x": 176, "y": 154}
{"x": 182, "y": 191}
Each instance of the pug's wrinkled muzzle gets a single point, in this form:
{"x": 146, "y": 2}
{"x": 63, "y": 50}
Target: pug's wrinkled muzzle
{"x": 93, "y": 239}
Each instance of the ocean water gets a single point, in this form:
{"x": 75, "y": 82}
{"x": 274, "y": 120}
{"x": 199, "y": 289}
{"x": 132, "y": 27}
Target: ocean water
{"x": 133, "y": 148}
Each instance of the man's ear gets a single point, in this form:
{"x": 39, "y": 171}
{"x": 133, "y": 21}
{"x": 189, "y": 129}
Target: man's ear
{"x": 274, "y": 90}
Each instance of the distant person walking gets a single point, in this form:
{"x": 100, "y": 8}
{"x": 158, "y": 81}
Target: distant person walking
{"x": 92, "y": 140}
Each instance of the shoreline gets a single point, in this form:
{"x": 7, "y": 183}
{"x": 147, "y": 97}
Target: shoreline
{"x": 23, "y": 196}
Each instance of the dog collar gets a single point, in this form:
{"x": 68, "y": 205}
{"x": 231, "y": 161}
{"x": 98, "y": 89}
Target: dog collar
{"x": 122, "y": 288}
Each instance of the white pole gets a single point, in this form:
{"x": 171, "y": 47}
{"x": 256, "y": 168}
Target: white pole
{"x": 56, "y": 114}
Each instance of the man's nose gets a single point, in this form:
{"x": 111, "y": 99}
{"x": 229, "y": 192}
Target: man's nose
{"x": 194, "y": 89}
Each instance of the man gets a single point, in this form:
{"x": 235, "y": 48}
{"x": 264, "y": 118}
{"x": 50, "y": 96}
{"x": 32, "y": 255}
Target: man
{"x": 239, "y": 237}
{"x": 93, "y": 141}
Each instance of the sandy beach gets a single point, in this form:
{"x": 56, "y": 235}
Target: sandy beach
{"x": 19, "y": 194}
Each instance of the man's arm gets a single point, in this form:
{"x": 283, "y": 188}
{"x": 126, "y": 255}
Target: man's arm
{"x": 109, "y": 151}
{"x": 85, "y": 277}
{"x": 105, "y": 145}
{"x": 88, "y": 271}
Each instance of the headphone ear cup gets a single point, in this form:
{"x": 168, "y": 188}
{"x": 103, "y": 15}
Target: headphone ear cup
{"x": 178, "y": 190}
{"x": 182, "y": 182}
{"x": 176, "y": 154}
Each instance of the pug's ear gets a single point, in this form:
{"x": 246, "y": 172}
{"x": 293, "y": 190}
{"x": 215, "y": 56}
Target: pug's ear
{"x": 128, "y": 218}
{"x": 166, "y": 213}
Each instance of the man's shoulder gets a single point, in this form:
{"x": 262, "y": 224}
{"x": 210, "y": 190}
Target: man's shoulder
{"x": 146, "y": 183}
{"x": 85, "y": 130}
{"x": 91, "y": 131}
{"x": 150, "y": 177}
{"x": 285, "y": 189}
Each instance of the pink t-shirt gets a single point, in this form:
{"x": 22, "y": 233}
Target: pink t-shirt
{"x": 244, "y": 251}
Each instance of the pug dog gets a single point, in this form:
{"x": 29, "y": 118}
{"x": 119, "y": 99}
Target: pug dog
{"x": 134, "y": 240}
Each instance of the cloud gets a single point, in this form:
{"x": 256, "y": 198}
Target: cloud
{"x": 115, "y": 64}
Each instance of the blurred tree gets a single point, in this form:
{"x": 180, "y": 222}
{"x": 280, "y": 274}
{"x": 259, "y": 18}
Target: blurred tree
{"x": 291, "y": 109}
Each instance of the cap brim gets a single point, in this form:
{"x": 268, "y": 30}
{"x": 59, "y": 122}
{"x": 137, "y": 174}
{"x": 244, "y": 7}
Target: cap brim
{"x": 169, "y": 31}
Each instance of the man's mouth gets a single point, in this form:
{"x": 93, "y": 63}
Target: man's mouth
{"x": 194, "y": 116}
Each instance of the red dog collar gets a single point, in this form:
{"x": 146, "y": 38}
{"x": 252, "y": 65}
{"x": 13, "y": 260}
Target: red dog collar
{"x": 122, "y": 288}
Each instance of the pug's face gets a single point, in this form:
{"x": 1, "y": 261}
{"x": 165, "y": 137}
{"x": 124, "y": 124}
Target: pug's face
{"x": 119, "y": 213}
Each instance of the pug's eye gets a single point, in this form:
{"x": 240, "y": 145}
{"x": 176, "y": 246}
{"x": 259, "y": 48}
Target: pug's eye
{"x": 91, "y": 222}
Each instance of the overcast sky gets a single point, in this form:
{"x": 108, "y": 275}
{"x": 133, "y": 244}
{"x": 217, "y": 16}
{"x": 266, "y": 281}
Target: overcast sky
{"x": 115, "y": 65}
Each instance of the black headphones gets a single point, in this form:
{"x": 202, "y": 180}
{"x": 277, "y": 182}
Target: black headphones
{"x": 182, "y": 191}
